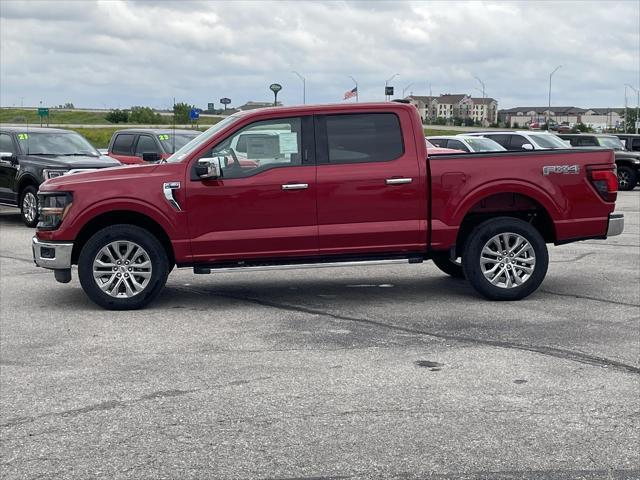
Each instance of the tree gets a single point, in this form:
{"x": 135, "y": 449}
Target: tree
{"x": 181, "y": 112}
{"x": 630, "y": 121}
{"x": 69, "y": 106}
{"x": 117, "y": 116}
{"x": 580, "y": 128}
{"x": 144, "y": 115}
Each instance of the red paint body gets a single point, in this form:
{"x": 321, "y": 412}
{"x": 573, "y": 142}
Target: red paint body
{"x": 348, "y": 208}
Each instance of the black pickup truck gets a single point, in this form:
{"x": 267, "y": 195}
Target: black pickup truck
{"x": 29, "y": 156}
{"x": 627, "y": 163}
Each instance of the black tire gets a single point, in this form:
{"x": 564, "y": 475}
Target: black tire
{"x": 486, "y": 232}
{"x": 627, "y": 178}
{"x": 28, "y": 195}
{"x": 150, "y": 246}
{"x": 443, "y": 262}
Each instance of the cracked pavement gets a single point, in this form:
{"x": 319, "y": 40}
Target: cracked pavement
{"x": 378, "y": 372}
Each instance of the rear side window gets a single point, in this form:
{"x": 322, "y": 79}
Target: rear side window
{"x": 123, "y": 144}
{"x": 356, "y": 138}
{"x": 439, "y": 142}
{"x": 6, "y": 144}
{"x": 635, "y": 144}
{"x": 585, "y": 142}
{"x": 517, "y": 141}
{"x": 457, "y": 145}
{"x": 501, "y": 139}
{"x": 146, "y": 144}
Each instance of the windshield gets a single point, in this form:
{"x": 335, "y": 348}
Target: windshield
{"x": 179, "y": 140}
{"x": 611, "y": 142}
{"x": 55, "y": 143}
{"x": 483, "y": 144}
{"x": 547, "y": 140}
{"x": 202, "y": 138}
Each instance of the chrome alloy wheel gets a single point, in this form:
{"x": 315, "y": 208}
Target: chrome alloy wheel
{"x": 623, "y": 179}
{"x": 507, "y": 260}
{"x": 29, "y": 206}
{"x": 122, "y": 269}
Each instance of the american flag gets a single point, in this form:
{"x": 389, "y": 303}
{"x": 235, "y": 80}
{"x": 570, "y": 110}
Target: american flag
{"x": 351, "y": 93}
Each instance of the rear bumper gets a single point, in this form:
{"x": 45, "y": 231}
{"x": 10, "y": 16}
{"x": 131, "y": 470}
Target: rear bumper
{"x": 616, "y": 224}
{"x": 52, "y": 255}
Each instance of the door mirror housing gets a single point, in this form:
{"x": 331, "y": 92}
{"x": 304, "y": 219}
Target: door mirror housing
{"x": 9, "y": 157}
{"x": 151, "y": 156}
{"x": 209, "y": 168}
{"x": 527, "y": 146}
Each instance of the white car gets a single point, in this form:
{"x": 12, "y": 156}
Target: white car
{"x": 518, "y": 140}
{"x": 466, "y": 143}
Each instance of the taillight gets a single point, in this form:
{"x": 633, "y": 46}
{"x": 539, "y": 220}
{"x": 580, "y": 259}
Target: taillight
{"x": 606, "y": 183}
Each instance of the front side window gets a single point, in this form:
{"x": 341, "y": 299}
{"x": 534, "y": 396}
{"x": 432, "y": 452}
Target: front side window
{"x": 484, "y": 144}
{"x": 586, "y": 142}
{"x": 6, "y": 144}
{"x": 123, "y": 144}
{"x": 500, "y": 139}
{"x": 611, "y": 142}
{"x": 260, "y": 146}
{"x": 146, "y": 144}
{"x": 439, "y": 142}
{"x": 457, "y": 145}
{"x": 547, "y": 140}
{"x": 368, "y": 137}
{"x": 517, "y": 141}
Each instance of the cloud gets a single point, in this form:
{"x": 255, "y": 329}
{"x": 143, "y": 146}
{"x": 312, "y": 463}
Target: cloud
{"x": 119, "y": 54}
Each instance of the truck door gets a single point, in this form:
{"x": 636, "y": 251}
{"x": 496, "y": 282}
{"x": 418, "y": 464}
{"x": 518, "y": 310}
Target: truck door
{"x": 371, "y": 195}
{"x": 264, "y": 205}
{"x": 8, "y": 170}
{"x": 122, "y": 148}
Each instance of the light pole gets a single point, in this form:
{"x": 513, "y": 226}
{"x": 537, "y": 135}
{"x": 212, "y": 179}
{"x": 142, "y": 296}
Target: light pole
{"x": 304, "y": 86}
{"x": 626, "y": 116}
{"x": 386, "y": 84}
{"x": 356, "y": 82}
{"x": 549, "y": 109}
{"x": 484, "y": 115}
{"x": 637, "y": 106}
{"x": 406, "y": 88}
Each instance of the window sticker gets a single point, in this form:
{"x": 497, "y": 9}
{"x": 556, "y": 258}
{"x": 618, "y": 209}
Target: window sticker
{"x": 288, "y": 142}
{"x": 163, "y": 137}
{"x": 23, "y": 136}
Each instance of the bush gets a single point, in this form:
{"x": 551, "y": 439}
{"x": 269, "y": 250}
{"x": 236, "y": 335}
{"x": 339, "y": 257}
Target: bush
{"x": 457, "y": 121}
{"x": 440, "y": 121}
{"x": 117, "y": 116}
{"x": 181, "y": 112}
{"x": 516, "y": 125}
{"x": 469, "y": 122}
{"x": 581, "y": 128}
{"x": 144, "y": 115}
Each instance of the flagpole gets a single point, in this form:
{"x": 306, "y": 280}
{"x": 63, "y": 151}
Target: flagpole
{"x": 357, "y": 91}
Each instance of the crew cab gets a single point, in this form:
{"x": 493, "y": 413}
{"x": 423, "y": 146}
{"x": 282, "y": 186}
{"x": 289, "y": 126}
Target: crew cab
{"x": 29, "y": 156}
{"x": 338, "y": 185}
{"x": 628, "y": 163}
{"x": 137, "y": 145}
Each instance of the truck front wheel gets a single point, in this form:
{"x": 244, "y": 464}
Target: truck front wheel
{"x": 505, "y": 259}
{"x": 123, "y": 267}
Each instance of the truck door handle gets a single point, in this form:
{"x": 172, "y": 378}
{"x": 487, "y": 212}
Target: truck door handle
{"x": 295, "y": 186}
{"x": 398, "y": 181}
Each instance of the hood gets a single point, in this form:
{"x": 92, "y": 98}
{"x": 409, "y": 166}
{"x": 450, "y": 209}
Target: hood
{"x": 122, "y": 173}
{"x": 69, "y": 162}
{"x": 627, "y": 154}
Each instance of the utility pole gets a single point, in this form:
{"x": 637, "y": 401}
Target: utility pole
{"x": 637, "y": 106}
{"x": 304, "y": 86}
{"x": 626, "y": 117}
{"x": 549, "y": 110}
{"x": 357, "y": 90}
{"x": 406, "y": 88}
{"x": 484, "y": 106}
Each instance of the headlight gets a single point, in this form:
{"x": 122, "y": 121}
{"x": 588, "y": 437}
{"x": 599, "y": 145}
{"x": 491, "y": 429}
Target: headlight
{"x": 48, "y": 174}
{"x": 53, "y": 207}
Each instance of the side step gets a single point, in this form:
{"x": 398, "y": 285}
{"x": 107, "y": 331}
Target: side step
{"x": 241, "y": 267}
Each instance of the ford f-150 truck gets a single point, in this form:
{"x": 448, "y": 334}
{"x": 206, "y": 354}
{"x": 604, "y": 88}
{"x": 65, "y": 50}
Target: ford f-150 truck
{"x": 336, "y": 184}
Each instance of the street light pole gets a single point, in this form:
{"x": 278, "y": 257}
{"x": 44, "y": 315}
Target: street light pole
{"x": 304, "y": 86}
{"x": 549, "y": 109}
{"x": 484, "y": 107}
{"x": 386, "y": 84}
{"x": 637, "y": 105}
{"x": 357, "y": 91}
{"x": 406, "y": 88}
{"x": 626, "y": 114}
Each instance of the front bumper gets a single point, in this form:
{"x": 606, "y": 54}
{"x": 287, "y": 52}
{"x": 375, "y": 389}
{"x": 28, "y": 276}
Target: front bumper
{"x": 52, "y": 255}
{"x": 616, "y": 224}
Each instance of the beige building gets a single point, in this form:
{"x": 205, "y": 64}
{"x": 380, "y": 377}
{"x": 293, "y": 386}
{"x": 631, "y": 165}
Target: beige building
{"x": 450, "y": 106}
{"x": 597, "y": 118}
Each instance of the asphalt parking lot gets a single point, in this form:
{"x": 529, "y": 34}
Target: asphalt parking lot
{"x": 380, "y": 372}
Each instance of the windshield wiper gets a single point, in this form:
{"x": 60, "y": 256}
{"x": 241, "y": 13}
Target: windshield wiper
{"x": 79, "y": 155}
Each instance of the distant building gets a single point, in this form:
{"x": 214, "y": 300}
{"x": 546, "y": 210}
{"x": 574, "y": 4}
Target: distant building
{"x": 450, "y": 106}
{"x": 254, "y": 105}
{"x": 598, "y": 118}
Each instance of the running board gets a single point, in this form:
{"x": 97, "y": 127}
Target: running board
{"x": 294, "y": 266}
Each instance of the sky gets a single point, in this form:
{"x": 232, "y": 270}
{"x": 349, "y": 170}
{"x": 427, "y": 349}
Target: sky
{"x": 115, "y": 54}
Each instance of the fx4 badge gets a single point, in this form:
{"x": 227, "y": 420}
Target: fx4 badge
{"x": 564, "y": 169}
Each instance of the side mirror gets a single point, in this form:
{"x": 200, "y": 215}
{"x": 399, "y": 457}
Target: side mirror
{"x": 209, "y": 168}
{"x": 151, "y": 157}
{"x": 8, "y": 158}
{"x": 527, "y": 146}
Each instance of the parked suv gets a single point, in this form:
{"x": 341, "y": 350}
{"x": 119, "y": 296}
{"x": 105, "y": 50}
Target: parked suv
{"x": 520, "y": 140}
{"x": 132, "y": 146}
{"x": 630, "y": 141}
{"x": 628, "y": 163}
{"x": 29, "y": 156}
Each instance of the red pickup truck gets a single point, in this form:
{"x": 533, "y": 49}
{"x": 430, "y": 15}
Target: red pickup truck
{"x": 309, "y": 186}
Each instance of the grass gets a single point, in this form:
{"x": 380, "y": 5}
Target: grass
{"x": 76, "y": 117}
{"x": 100, "y": 137}
{"x": 430, "y": 132}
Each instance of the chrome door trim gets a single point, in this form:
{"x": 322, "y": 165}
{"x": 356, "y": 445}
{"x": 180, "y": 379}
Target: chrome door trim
{"x": 295, "y": 186}
{"x": 398, "y": 181}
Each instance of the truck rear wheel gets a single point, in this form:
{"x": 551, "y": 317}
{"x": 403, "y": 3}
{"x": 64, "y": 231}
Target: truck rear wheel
{"x": 444, "y": 263}
{"x": 123, "y": 267}
{"x": 627, "y": 178}
{"x": 505, "y": 259}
